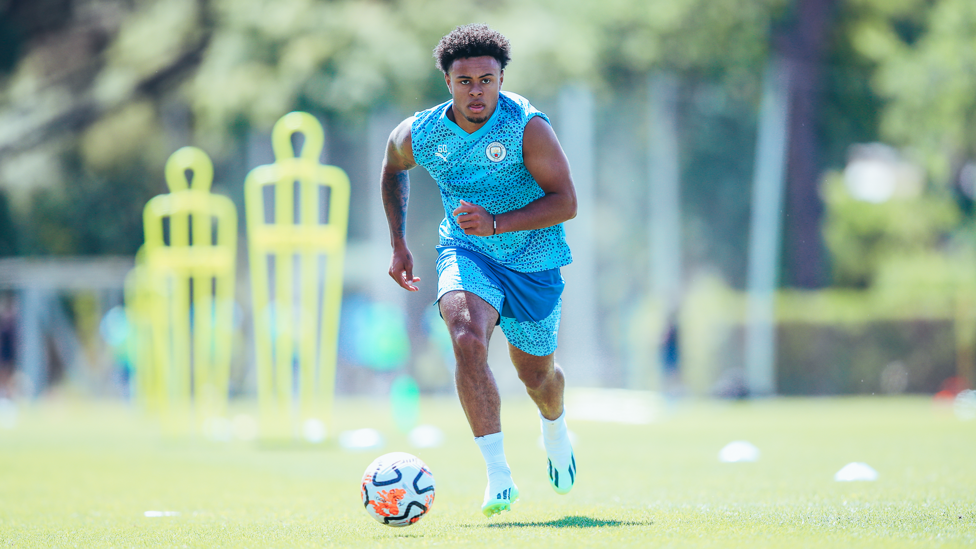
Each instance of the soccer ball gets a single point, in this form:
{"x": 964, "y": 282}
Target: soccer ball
{"x": 397, "y": 489}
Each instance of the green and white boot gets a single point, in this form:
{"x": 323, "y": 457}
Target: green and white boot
{"x": 499, "y": 499}
{"x": 559, "y": 450}
{"x": 563, "y": 478}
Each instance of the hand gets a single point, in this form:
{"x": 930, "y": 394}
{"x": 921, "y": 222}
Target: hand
{"x": 474, "y": 219}
{"x": 401, "y": 269}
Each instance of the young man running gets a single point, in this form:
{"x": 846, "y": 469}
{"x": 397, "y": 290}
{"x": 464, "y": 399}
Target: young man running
{"x": 506, "y": 187}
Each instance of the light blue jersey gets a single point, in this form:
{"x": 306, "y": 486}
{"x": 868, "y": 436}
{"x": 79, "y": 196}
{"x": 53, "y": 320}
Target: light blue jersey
{"x": 485, "y": 168}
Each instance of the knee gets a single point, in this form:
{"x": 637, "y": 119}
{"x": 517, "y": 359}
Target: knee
{"x": 470, "y": 347}
{"x": 534, "y": 378}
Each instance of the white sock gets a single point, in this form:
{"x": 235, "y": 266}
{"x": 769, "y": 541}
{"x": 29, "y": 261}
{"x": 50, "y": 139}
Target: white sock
{"x": 555, "y": 437}
{"x": 499, "y": 473}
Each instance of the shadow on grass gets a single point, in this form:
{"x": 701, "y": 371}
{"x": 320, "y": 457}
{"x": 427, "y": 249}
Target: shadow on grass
{"x": 566, "y": 522}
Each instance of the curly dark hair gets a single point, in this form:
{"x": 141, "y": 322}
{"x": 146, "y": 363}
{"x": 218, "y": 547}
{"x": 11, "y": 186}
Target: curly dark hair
{"x": 473, "y": 40}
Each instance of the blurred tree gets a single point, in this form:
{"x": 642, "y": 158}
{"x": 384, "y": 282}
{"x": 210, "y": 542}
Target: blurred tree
{"x": 851, "y": 109}
{"x": 804, "y": 44}
{"x": 717, "y": 144}
{"x": 922, "y": 99}
{"x": 8, "y": 229}
{"x": 91, "y": 86}
{"x": 925, "y": 51}
{"x": 95, "y": 214}
{"x": 266, "y": 56}
{"x": 864, "y": 237}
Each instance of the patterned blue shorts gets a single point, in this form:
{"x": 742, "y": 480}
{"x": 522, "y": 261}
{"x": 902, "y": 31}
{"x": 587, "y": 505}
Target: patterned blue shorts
{"x": 535, "y": 338}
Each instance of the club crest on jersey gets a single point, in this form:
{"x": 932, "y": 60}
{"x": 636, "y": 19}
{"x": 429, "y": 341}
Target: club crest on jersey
{"x": 496, "y": 152}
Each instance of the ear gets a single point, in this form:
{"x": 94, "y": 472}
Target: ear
{"x": 447, "y": 80}
{"x": 501, "y": 78}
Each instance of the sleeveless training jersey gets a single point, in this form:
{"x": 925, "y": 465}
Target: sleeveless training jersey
{"x": 485, "y": 168}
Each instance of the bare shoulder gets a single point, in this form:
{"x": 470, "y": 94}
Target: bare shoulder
{"x": 538, "y": 132}
{"x": 399, "y": 150}
{"x": 539, "y": 141}
{"x": 543, "y": 156}
{"x": 400, "y": 138}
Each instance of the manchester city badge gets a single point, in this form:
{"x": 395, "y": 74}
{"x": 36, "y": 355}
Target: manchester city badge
{"x": 495, "y": 151}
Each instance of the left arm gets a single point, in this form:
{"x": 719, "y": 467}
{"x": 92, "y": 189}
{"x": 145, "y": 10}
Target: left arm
{"x": 546, "y": 161}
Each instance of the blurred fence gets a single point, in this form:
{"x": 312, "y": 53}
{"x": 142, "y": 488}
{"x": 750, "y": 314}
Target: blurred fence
{"x": 827, "y": 342}
{"x": 832, "y": 342}
{"x": 50, "y": 314}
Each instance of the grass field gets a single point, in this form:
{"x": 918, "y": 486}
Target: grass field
{"x": 84, "y": 474}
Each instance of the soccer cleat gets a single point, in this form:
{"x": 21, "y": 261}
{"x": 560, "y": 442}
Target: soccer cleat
{"x": 500, "y": 501}
{"x": 563, "y": 478}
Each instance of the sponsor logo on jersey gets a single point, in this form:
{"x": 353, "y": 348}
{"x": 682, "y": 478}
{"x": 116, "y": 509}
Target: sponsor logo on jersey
{"x": 496, "y": 152}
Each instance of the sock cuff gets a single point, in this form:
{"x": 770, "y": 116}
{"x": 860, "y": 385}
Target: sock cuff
{"x": 489, "y": 439}
{"x": 561, "y": 418}
{"x": 492, "y": 448}
{"x": 554, "y": 430}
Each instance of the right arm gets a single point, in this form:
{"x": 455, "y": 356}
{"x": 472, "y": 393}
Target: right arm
{"x": 396, "y": 191}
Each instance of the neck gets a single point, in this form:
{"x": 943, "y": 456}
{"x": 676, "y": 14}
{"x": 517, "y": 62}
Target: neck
{"x": 454, "y": 116}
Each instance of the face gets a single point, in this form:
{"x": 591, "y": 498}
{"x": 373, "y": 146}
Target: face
{"x": 474, "y": 83}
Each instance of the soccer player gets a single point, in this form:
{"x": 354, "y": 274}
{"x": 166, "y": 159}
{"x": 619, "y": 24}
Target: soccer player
{"x": 506, "y": 187}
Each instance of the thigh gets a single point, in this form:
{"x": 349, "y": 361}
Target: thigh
{"x": 464, "y": 311}
{"x": 525, "y": 362}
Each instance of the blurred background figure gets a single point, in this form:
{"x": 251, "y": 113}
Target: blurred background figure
{"x": 671, "y": 359}
{"x": 8, "y": 343}
{"x": 116, "y": 330}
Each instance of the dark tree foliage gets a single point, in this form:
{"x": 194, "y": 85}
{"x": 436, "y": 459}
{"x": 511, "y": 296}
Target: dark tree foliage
{"x": 8, "y": 229}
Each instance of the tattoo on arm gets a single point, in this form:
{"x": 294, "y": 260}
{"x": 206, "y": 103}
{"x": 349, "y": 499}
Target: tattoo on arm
{"x": 396, "y": 192}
